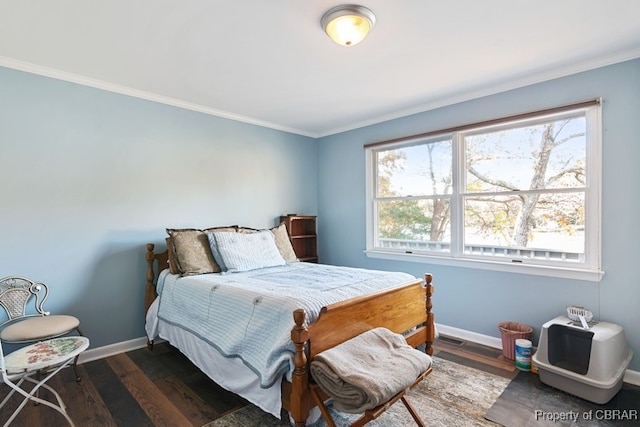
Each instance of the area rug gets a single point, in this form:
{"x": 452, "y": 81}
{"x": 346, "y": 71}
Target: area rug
{"x": 452, "y": 395}
{"x": 529, "y": 402}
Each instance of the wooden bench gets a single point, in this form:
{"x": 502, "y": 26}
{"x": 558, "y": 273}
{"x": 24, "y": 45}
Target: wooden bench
{"x": 374, "y": 413}
{"x": 358, "y": 376}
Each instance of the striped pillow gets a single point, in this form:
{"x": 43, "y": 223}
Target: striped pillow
{"x": 244, "y": 252}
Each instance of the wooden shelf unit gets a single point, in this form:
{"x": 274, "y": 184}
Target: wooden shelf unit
{"x": 302, "y": 233}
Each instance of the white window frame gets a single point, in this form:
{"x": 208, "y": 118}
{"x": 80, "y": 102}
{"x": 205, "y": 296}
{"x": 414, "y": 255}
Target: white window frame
{"x": 590, "y": 270}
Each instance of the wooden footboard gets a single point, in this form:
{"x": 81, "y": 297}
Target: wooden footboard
{"x": 400, "y": 309}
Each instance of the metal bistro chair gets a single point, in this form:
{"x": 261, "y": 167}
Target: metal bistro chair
{"x": 21, "y": 328}
{"x": 43, "y": 360}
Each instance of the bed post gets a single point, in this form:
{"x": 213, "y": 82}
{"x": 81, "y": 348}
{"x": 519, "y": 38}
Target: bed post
{"x": 299, "y": 400}
{"x": 431, "y": 330}
{"x": 151, "y": 287}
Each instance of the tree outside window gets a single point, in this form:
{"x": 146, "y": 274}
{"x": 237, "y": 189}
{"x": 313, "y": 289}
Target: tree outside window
{"x": 515, "y": 191}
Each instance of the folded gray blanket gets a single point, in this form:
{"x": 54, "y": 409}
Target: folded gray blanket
{"x": 368, "y": 370}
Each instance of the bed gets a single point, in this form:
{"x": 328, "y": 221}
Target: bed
{"x": 253, "y": 328}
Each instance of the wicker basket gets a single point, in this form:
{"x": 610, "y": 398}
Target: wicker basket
{"x": 512, "y": 331}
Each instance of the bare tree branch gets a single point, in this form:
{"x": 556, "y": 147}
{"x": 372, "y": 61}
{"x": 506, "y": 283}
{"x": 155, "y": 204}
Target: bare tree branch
{"x": 496, "y": 182}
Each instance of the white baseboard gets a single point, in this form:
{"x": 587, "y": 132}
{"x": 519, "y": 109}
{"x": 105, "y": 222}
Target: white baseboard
{"x": 112, "y": 349}
{"x": 630, "y": 377}
{"x": 465, "y": 335}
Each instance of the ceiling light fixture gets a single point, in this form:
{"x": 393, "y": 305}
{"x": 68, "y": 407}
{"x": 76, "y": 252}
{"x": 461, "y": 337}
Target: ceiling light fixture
{"x": 348, "y": 24}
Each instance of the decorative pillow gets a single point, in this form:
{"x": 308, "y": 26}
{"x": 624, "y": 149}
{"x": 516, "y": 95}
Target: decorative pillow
{"x": 283, "y": 243}
{"x": 247, "y": 251}
{"x": 192, "y": 251}
{"x": 213, "y": 246}
{"x": 171, "y": 255}
{"x": 229, "y": 228}
{"x": 247, "y": 230}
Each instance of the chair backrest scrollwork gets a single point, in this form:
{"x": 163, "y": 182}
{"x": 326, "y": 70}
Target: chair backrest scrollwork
{"x": 15, "y": 294}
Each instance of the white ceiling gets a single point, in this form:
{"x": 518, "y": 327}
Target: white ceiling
{"x": 268, "y": 62}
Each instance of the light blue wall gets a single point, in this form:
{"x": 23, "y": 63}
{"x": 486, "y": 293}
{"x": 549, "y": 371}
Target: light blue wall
{"x": 87, "y": 177}
{"x": 477, "y": 300}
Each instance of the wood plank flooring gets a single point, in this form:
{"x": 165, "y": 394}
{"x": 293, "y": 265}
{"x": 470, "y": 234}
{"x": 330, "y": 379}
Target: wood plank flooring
{"x": 162, "y": 388}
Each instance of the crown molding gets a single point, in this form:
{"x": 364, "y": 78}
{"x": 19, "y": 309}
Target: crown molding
{"x": 494, "y": 89}
{"x": 136, "y": 93}
{"x": 531, "y": 79}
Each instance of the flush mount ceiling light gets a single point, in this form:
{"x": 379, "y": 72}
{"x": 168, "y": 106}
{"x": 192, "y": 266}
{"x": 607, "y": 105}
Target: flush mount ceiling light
{"x": 348, "y": 24}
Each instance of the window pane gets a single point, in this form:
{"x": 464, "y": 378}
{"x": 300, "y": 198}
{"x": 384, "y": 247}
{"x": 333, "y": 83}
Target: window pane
{"x": 411, "y": 224}
{"x": 549, "y": 222}
{"x": 419, "y": 170}
{"x": 517, "y": 189}
{"x": 548, "y": 155}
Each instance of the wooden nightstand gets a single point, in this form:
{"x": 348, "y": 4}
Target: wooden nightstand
{"x": 302, "y": 232}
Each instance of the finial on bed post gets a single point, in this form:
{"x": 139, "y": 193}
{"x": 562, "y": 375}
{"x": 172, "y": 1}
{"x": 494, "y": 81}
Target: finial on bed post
{"x": 299, "y": 379}
{"x": 431, "y": 331}
{"x": 150, "y": 258}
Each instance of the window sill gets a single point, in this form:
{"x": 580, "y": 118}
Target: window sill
{"x": 520, "y": 268}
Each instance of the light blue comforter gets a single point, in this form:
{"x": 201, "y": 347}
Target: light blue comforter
{"x": 249, "y": 315}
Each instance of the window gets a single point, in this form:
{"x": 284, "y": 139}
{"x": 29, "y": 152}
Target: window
{"x": 520, "y": 193}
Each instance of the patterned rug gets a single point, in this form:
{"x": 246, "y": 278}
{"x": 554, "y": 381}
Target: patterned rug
{"x": 452, "y": 395}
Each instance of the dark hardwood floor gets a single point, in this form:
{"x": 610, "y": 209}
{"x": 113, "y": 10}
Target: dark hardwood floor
{"x": 162, "y": 388}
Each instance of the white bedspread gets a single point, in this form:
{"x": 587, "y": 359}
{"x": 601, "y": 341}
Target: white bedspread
{"x": 249, "y": 315}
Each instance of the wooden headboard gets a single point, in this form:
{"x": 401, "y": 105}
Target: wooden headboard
{"x": 161, "y": 261}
